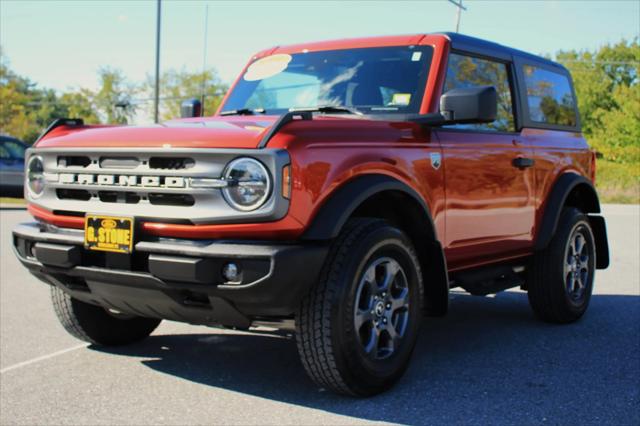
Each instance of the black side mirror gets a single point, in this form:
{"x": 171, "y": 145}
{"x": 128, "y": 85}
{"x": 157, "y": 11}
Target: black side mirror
{"x": 460, "y": 106}
{"x": 470, "y": 105}
{"x": 191, "y": 108}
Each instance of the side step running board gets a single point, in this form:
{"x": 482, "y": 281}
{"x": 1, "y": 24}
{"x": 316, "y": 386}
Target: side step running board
{"x": 490, "y": 280}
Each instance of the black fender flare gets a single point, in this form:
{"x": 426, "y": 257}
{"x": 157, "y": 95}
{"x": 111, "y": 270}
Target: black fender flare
{"x": 335, "y": 211}
{"x": 557, "y": 199}
{"x": 341, "y": 205}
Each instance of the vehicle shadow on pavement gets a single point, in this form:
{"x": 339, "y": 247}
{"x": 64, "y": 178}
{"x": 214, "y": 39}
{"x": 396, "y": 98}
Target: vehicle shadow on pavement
{"x": 489, "y": 359}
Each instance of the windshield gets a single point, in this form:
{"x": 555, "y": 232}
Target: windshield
{"x": 370, "y": 80}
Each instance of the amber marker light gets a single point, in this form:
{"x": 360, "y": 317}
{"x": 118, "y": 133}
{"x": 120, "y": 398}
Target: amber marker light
{"x": 286, "y": 181}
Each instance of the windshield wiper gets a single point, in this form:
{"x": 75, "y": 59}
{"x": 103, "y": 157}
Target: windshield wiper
{"x": 303, "y": 114}
{"x": 244, "y": 111}
{"x": 328, "y": 109}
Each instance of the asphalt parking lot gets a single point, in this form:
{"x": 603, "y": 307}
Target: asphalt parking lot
{"x": 489, "y": 361}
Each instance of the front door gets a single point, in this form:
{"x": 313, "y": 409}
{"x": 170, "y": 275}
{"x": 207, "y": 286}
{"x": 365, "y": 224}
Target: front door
{"x": 488, "y": 182}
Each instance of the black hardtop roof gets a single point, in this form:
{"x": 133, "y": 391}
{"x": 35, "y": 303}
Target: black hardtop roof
{"x": 480, "y": 46}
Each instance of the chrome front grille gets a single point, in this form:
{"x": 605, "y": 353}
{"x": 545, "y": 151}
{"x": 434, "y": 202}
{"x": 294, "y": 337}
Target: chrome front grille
{"x": 152, "y": 183}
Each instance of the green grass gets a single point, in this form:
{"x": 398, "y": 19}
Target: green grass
{"x": 618, "y": 183}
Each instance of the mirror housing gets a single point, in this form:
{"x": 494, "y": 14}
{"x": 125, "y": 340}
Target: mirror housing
{"x": 191, "y": 108}
{"x": 470, "y": 105}
{"x": 464, "y": 106}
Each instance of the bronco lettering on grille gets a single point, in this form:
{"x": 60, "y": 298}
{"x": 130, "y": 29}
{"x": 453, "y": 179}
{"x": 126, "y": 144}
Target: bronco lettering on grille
{"x": 123, "y": 180}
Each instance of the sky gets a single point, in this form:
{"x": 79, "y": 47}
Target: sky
{"x": 62, "y": 44}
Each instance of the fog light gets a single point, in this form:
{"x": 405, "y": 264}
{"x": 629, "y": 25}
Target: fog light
{"x": 230, "y": 272}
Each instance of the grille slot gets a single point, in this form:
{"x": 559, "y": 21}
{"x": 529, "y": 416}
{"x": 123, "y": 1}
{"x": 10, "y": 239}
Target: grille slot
{"x": 171, "y": 200}
{"x": 118, "y": 197}
{"x": 119, "y": 162}
{"x": 171, "y": 163}
{"x": 73, "y": 194}
{"x": 74, "y": 161}
{"x": 68, "y": 213}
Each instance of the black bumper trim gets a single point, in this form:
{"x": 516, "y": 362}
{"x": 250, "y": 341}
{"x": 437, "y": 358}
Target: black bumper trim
{"x": 178, "y": 281}
{"x": 64, "y": 256}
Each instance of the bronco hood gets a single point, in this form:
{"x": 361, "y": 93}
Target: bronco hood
{"x": 204, "y": 132}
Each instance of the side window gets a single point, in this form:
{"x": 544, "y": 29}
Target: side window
{"x": 549, "y": 97}
{"x": 466, "y": 71}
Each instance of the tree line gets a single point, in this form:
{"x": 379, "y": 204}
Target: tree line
{"x": 607, "y": 83}
{"x": 26, "y": 109}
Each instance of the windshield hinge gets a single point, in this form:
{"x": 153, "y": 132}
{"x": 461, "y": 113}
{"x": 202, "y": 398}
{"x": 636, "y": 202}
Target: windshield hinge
{"x": 58, "y": 122}
{"x": 283, "y": 121}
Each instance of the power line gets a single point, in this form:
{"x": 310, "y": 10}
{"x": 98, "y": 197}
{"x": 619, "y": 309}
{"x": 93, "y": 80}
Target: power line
{"x": 586, "y": 61}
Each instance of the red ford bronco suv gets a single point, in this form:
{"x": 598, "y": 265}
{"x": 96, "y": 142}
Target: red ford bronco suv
{"x": 340, "y": 191}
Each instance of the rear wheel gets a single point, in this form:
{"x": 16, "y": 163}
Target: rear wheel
{"x": 357, "y": 328}
{"x": 561, "y": 278}
{"x": 95, "y": 325}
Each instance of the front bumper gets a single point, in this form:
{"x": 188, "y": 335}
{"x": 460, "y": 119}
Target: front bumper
{"x": 179, "y": 280}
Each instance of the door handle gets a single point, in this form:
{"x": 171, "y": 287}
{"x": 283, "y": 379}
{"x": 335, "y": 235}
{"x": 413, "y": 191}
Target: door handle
{"x": 523, "y": 162}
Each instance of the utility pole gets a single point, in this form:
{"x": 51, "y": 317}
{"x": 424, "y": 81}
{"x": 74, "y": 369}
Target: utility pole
{"x": 204, "y": 57}
{"x": 156, "y": 100}
{"x": 459, "y": 7}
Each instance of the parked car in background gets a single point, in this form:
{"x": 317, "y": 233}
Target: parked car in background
{"x": 11, "y": 166}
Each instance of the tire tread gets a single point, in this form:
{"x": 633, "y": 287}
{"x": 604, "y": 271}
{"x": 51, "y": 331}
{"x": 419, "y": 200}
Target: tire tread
{"x": 92, "y": 324}
{"x": 63, "y": 308}
{"x": 313, "y": 320}
{"x": 546, "y": 295}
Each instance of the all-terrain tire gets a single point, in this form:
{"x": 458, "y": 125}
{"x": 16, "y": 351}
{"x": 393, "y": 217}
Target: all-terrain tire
{"x": 560, "y": 281}
{"x": 330, "y": 341}
{"x": 95, "y": 325}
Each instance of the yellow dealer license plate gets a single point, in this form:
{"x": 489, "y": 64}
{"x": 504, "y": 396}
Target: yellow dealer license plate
{"x": 108, "y": 233}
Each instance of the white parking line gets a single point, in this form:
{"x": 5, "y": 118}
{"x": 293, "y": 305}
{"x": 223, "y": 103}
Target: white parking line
{"x": 42, "y": 358}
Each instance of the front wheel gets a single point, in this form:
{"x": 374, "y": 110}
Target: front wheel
{"x": 357, "y": 328}
{"x": 560, "y": 281}
{"x": 95, "y": 325}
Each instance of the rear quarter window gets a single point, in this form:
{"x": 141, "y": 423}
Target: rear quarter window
{"x": 549, "y": 97}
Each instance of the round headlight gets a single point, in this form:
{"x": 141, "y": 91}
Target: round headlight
{"x": 35, "y": 176}
{"x": 248, "y": 184}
